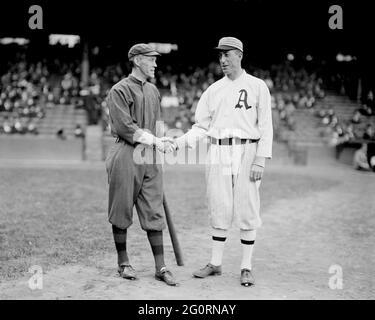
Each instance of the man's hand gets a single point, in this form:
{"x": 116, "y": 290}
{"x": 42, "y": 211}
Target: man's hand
{"x": 165, "y": 144}
{"x": 170, "y": 144}
{"x": 256, "y": 172}
{"x": 257, "y": 168}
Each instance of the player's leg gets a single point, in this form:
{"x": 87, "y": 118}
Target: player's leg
{"x": 121, "y": 171}
{"x": 219, "y": 237}
{"x": 219, "y": 187}
{"x": 246, "y": 199}
{"x": 247, "y": 242}
{"x": 120, "y": 204}
{"x": 220, "y": 205}
{"x": 246, "y": 208}
{"x": 150, "y": 211}
{"x": 125, "y": 269}
{"x": 120, "y": 236}
{"x": 155, "y": 238}
{"x": 149, "y": 205}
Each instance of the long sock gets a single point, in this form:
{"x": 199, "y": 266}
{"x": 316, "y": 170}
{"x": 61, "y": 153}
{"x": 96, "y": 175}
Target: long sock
{"x": 247, "y": 243}
{"x": 119, "y": 235}
{"x": 156, "y": 241}
{"x": 218, "y": 241}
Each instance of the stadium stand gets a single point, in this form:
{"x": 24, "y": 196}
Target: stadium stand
{"x": 46, "y": 97}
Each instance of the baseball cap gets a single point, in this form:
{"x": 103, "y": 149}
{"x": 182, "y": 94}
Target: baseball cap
{"x": 229, "y": 43}
{"x": 142, "y": 48}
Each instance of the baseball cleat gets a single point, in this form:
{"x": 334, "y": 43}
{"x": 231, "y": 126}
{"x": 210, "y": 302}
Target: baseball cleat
{"x": 165, "y": 275}
{"x": 208, "y": 270}
{"x": 247, "y": 278}
{"x": 126, "y": 271}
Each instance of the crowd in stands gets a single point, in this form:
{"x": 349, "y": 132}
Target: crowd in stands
{"x": 356, "y": 131}
{"x": 290, "y": 89}
{"x": 359, "y": 127}
{"x": 21, "y": 88}
{"x": 29, "y": 88}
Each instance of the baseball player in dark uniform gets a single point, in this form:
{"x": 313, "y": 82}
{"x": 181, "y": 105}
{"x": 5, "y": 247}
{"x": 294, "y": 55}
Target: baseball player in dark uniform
{"x": 134, "y": 111}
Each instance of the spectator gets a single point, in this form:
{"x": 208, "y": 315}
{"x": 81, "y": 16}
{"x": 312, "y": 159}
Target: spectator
{"x": 7, "y": 127}
{"x": 356, "y": 119}
{"x": 78, "y": 132}
{"x": 369, "y": 132}
{"x": 327, "y": 117}
{"x": 360, "y": 159}
{"x": 31, "y": 127}
{"x": 349, "y": 133}
{"x": 19, "y": 126}
{"x": 371, "y": 155}
{"x": 369, "y": 101}
{"x": 365, "y": 110}
{"x": 61, "y": 134}
{"x": 337, "y": 135}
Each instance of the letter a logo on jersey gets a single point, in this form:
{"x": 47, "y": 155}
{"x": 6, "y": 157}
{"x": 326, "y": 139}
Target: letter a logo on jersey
{"x": 242, "y": 100}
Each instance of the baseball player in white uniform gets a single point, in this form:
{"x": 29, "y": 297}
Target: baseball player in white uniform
{"x": 235, "y": 114}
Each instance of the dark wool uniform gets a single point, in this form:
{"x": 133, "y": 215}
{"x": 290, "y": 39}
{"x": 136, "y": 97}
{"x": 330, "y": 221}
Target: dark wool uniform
{"x": 134, "y": 105}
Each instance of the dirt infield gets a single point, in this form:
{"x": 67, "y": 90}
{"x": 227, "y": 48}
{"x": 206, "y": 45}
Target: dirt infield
{"x": 314, "y": 219}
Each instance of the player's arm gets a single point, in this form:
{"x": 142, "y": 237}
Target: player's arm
{"x": 162, "y": 142}
{"x": 264, "y": 149}
{"x": 201, "y": 126}
{"x": 125, "y": 127}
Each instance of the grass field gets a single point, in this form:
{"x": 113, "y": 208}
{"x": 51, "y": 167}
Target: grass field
{"x": 313, "y": 218}
{"x": 53, "y": 217}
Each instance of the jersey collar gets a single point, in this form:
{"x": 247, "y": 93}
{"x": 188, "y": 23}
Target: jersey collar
{"x": 136, "y": 80}
{"x": 242, "y": 75}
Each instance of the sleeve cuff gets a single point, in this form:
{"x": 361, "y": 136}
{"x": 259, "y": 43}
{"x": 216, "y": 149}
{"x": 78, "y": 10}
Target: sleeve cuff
{"x": 264, "y": 152}
{"x": 260, "y": 161}
{"x": 145, "y": 138}
{"x": 180, "y": 142}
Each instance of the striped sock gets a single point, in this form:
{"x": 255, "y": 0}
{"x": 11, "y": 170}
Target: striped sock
{"x": 247, "y": 243}
{"x": 156, "y": 241}
{"x": 119, "y": 236}
{"x": 218, "y": 241}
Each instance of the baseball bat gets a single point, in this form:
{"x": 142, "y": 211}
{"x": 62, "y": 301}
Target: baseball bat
{"x": 172, "y": 233}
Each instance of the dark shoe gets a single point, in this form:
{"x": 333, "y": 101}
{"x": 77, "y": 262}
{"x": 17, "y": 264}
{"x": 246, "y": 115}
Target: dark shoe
{"x": 208, "y": 270}
{"x": 165, "y": 275}
{"x": 247, "y": 278}
{"x": 126, "y": 271}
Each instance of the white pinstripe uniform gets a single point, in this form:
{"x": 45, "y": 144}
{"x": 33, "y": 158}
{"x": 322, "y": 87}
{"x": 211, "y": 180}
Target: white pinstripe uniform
{"x": 239, "y": 108}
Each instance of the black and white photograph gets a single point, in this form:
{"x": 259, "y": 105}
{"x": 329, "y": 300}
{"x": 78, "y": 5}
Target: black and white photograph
{"x": 208, "y": 151}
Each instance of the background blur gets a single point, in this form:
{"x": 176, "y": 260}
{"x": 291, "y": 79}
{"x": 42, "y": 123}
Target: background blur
{"x": 54, "y": 81}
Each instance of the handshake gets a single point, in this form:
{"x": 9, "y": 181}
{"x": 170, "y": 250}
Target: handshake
{"x": 166, "y": 144}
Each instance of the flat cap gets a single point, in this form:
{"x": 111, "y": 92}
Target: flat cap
{"x": 229, "y": 43}
{"x": 142, "y": 48}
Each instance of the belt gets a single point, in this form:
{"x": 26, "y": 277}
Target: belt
{"x": 121, "y": 140}
{"x": 230, "y": 141}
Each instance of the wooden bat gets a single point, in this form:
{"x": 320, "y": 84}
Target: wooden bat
{"x": 172, "y": 233}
